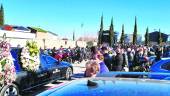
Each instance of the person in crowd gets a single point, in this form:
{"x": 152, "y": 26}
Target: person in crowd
{"x": 45, "y": 51}
{"x": 158, "y": 54}
{"x": 136, "y": 62}
{"x": 61, "y": 48}
{"x": 167, "y": 52}
{"x": 118, "y": 60}
{"x": 19, "y": 46}
{"x": 92, "y": 68}
{"x": 103, "y": 67}
{"x": 97, "y": 56}
{"x": 107, "y": 58}
{"x": 41, "y": 50}
{"x": 151, "y": 51}
{"x": 145, "y": 62}
{"x": 130, "y": 56}
{"x": 53, "y": 51}
{"x": 125, "y": 60}
{"x": 94, "y": 52}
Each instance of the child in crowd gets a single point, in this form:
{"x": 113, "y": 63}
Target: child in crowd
{"x": 92, "y": 68}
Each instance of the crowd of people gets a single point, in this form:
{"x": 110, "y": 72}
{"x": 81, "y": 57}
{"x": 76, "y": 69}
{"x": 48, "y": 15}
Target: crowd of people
{"x": 124, "y": 58}
{"x": 104, "y": 58}
{"x": 71, "y": 55}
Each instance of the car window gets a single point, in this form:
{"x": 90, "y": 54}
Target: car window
{"x": 166, "y": 66}
{"x": 50, "y": 59}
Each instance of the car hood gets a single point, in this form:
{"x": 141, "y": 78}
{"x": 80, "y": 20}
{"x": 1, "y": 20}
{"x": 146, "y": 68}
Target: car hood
{"x": 113, "y": 87}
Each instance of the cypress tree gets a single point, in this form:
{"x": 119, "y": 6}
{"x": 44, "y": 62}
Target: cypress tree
{"x": 160, "y": 37}
{"x": 147, "y": 37}
{"x": 73, "y": 36}
{"x": 122, "y": 35}
{"x": 100, "y": 31}
{"x": 111, "y": 35}
{"x": 1, "y": 16}
{"x": 135, "y": 32}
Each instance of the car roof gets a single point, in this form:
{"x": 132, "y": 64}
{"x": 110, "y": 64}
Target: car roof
{"x": 167, "y": 58}
{"x": 130, "y": 74}
{"x": 107, "y": 86}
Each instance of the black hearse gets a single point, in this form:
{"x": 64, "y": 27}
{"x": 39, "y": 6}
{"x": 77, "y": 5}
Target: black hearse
{"x": 50, "y": 70}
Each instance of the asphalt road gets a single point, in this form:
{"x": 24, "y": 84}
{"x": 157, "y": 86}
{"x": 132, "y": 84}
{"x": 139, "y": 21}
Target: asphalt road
{"x": 78, "y": 73}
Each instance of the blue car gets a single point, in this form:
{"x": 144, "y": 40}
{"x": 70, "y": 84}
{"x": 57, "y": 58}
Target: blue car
{"x": 49, "y": 70}
{"x": 162, "y": 66}
{"x": 119, "y": 83}
{"x": 110, "y": 86}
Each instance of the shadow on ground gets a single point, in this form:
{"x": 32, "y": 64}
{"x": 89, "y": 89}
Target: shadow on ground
{"x": 40, "y": 89}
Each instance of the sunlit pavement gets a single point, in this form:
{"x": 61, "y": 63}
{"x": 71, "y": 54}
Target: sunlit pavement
{"x": 78, "y": 73}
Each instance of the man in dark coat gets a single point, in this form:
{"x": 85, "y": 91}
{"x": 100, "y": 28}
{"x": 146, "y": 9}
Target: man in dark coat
{"x": 158, "y": 54}
{"x": 107, "y": 58}
{"x": 118, "y": 66}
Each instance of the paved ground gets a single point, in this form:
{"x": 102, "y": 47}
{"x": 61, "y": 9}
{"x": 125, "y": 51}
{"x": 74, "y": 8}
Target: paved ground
{"x": 78, "y": 73}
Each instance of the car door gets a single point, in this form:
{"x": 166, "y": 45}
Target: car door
{"x": 54, "y": 67}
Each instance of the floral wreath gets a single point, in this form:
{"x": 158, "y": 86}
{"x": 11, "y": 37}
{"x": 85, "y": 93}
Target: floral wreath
{"x": 7, "y": 68}
{"x": 30, "y": 56}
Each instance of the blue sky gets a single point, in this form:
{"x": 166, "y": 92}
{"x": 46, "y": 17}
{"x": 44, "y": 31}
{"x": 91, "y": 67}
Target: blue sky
{"x": 65, "y": 16}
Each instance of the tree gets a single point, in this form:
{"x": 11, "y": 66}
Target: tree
{"x": 122, "y": 39}
{"x": 73, "y": 36}
{"x": 135, "y": 32}
{"x": 90, "y": 43}
{"x": 1, "y": 16}
{"x": 111, "y": 33}
{"x": 147, "y": 37}
{"x": 160, "y": 37}
{"x": 100, "y": 31}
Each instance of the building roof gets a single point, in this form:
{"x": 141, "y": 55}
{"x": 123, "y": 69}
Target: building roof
{"x": 40, "y": 29}
{"x": 20, "y": 28}
{"x": 53, "y": 33}
{"x": 15, "y": 28}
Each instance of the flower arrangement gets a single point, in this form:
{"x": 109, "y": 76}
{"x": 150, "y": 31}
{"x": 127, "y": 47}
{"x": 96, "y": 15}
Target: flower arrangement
{"x": 30, "y": 56}
{"x": 7, "y": 69}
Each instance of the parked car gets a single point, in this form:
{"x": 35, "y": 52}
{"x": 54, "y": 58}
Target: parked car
{"x": 50, "y": 70}
{"x": 162, "y": 66}
{"x": 119, "y": 83}
{"x": 109, "y": 86}
{"x": 158, "y": 70}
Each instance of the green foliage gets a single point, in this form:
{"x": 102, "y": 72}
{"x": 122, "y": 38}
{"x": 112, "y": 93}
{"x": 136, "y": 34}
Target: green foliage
{"x": 33, "y": 48}
{"x": 3, "y": 62}
{"x": 73, "y": 36}
{"x": 122, "y": 36}
{"x": 100, "y": 32}
{"x": 99, "y": 37}
{"x": 147, "y": 37}
{"x": 160, "y": 37}
{"x": 90, "y": 43}
{"x": 111, "y": 33}
{"x": 40, "y": 30}
{"x": 135, "y": 33}
{"x": 1, "y": 16}
{"x": 30, "y": 56}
